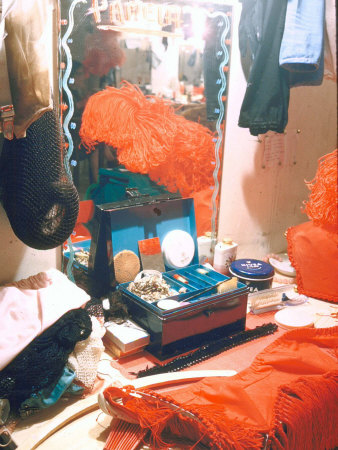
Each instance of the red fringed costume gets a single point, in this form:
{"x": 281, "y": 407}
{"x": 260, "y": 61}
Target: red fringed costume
{"x": 313, "y": 245}
{"x": 286, "y": 399}
{"x": 150, "y": 138}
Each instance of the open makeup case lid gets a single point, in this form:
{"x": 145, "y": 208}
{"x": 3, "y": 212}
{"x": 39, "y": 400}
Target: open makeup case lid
{"x": 120, "y": 226}
{"x": 135, "y": 219}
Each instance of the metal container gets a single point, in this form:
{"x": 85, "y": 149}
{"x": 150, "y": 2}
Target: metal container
{"x": 256, "y": 274}
{"x": 120, "y": 226}
{"x": 190, "y": 324}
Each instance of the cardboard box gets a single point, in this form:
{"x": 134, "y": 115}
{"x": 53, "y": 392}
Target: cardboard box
{"x": 127, "y": 336}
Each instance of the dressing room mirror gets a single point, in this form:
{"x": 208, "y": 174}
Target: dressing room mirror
{"x": 143, "y": 93}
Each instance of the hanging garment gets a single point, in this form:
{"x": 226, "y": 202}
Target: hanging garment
{"x": 43, "y": 361}
{"x": 330, "y": 44}
{"x": 302, "y": 46}
{"x": 27, "y": 42}
{"x": 266, "y": 100}
{"x": 286, "y": 399}
{"x": 6, "y": 104}
{"x": 27, "y": 311}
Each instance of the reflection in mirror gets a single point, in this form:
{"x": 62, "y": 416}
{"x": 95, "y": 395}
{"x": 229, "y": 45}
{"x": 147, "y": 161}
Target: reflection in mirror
{"x": 143, "y": 94}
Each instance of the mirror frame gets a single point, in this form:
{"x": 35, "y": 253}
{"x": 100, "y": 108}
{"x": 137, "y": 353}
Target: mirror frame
{"x": 67, "y": 103}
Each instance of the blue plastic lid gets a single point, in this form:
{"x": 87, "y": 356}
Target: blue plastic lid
{"x": 251, "y": 268}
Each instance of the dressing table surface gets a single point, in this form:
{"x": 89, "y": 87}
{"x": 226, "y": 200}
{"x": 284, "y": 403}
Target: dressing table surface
{"x": 90, "y": 429}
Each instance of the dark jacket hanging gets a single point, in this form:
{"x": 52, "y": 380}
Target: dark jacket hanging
{"x": 266, "y": 100}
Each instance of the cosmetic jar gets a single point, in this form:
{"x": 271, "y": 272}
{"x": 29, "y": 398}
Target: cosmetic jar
{"x": 256, "y": 274}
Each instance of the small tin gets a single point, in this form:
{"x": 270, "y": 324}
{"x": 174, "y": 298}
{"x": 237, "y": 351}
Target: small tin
{"x": 256, "y": 274}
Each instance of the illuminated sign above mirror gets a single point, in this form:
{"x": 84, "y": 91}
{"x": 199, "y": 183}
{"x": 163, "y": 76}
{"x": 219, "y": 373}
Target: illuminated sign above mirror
{"x": 128, "y": 14}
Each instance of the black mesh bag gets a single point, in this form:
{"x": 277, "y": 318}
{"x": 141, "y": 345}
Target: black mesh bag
{"x": 40, "y": 201}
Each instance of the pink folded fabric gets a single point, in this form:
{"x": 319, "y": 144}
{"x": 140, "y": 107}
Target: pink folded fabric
{"x": 30, "y": 306}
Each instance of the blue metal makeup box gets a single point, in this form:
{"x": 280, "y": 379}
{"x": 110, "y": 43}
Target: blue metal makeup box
{"x": 119, "y": 226}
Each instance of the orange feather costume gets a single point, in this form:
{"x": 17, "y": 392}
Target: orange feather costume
{"x": 150, "y": 138}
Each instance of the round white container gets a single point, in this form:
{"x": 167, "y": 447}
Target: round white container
{"x": 225, "y": 254}
{"x": 178, "y": 249}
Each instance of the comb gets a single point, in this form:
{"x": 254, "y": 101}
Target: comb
{"x": 273, "y": 299}
{"x": 124, "y": 436}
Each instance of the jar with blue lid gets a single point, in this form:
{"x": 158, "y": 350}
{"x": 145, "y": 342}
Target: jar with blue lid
{"x": 256, "y": 274}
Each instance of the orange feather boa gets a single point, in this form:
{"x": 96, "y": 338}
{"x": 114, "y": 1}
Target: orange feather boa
{"x": 150, "y": 138}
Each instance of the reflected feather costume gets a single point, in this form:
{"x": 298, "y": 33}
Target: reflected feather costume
{"x": 150, "y": 138}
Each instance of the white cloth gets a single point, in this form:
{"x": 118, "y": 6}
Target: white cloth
{"x": 26, "y": 313}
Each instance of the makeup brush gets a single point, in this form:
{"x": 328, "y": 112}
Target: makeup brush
{"x": 221, "y": 287}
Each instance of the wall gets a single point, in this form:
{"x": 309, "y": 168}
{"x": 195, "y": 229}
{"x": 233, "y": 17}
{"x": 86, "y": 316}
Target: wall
{"x": 258, "y": 204}
{"x": 18, "y": 261}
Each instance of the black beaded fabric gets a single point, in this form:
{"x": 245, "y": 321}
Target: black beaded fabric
{"x": 42, "y": 362}
{"x": 41, "y": 203}
{"x": 210, "y": 350}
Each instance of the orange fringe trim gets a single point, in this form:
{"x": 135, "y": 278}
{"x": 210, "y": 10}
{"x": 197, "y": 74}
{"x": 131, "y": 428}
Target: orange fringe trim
{"x": 322, "y": 206}
{"x": 150, "y": 138}
{"x": 306, "y": 414}
{"x": 210, "y": 426}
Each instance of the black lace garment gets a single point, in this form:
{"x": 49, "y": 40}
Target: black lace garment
{"x": 42, "y": 362}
